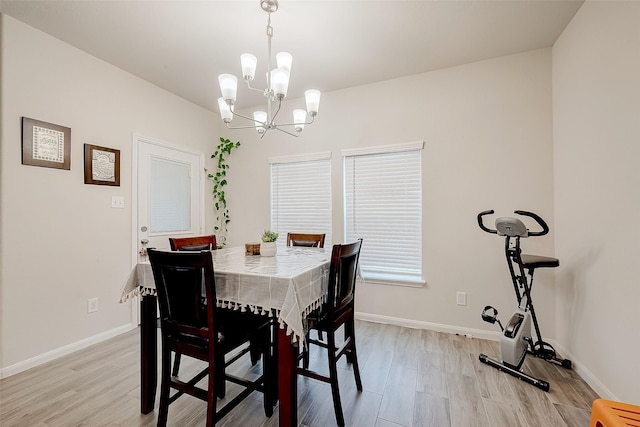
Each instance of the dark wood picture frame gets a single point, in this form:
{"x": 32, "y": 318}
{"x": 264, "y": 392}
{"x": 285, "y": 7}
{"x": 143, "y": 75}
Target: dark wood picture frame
{"x": 101, "y": 165}
{"x": 45, "y": 144}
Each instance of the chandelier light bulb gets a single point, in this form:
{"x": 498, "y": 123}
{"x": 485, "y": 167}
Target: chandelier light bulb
{"x": 284, "y": 60}
{"x": 260, "y": 118}
{"x": 280, "y": 82}
{"x": 299, "y": 118}
{"x": 312, "y": 98}
{"x": 228, "y": 87}
{"x": 248, "y": 63}
{"x": 225, "y": 110}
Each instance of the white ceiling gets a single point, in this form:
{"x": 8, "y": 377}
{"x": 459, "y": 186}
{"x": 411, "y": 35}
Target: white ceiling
{"x": 182, "y": 45}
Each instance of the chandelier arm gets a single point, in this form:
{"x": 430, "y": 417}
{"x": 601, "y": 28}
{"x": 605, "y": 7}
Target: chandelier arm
{"x": 276, "y": 113}
{"x": 239, "y": 127}
{"x": 294, "y": 124}
{"x": 248, "y": 118}
{"x": 287, "y": 132}
{"x": 253, "y": 88}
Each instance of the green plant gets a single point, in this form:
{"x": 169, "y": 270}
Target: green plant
{"x": 219, "y": 179}
{"x": 269, "y": 236}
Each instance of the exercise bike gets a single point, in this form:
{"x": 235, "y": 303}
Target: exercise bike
{"x": 516, "y": 340}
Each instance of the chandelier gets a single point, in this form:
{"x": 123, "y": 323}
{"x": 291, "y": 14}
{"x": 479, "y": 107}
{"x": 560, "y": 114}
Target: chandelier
{"x": 276, "y": 91}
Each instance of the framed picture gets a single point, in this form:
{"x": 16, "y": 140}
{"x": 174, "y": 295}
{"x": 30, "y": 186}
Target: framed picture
{"x": 45, "y": 144}
{"x": 101, "y": 165}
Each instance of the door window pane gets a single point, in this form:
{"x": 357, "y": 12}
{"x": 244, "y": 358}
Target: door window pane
{"x": 170, "y": 196}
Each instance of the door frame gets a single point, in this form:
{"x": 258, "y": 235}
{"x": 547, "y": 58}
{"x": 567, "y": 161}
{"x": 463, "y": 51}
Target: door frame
{"x": 136, "y": 139}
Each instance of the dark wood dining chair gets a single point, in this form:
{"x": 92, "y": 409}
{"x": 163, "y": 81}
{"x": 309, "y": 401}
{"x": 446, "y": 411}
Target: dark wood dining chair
{"x": 194, "y": 329}
{"x": 309, "y": 240}
{"x": 305, "y": 239}
{"x": 193, "y": 243}
{"x": 336, "y": 312}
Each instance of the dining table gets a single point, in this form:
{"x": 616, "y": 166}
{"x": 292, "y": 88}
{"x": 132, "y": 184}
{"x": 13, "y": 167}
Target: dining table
{"x": 287, "y": 286}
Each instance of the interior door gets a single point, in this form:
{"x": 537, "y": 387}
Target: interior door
{"x": 170, "y": 192}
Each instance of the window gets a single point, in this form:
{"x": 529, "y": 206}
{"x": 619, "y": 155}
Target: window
{"x": 301, "y": 195}
{"x": 383, "y": 206}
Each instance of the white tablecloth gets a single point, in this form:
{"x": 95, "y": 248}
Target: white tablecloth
{"x": 289, "y": 285}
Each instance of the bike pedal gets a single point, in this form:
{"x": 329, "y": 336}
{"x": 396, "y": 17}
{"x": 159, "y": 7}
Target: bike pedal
{"x": 490, "y": 317}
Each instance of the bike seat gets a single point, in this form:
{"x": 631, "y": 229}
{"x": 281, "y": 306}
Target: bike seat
{"x": 535, "y": 261}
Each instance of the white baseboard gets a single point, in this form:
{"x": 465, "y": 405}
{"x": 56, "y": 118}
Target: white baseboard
{"x": 578, "y": 367}
{"x": 586, "y": 375}
{"x": 438, "y": 327}
{"x": 63, "y": 351}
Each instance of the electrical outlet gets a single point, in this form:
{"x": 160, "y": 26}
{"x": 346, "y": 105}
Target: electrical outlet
{"x": 92, "y": 305}
{"x": 461, "y": 298}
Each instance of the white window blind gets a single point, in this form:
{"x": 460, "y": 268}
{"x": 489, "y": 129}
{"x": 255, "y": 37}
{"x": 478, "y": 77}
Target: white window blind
{"x": 301, "y": 195}
{"x": 170, "y": 196}
{"x": 383, "y": 206}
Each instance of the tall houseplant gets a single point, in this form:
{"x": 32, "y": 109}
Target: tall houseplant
{"x": 219, "y": 178}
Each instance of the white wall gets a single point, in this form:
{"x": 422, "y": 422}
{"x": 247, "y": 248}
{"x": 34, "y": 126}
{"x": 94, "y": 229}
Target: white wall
{"x": 488, "y": 145}
{"x": 61, "y": 242}
{"x": 596, "y": 101}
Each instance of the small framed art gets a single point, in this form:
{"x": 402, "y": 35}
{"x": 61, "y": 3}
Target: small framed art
{"x": 101, "y": 165}
{"x": 45, "y": 144}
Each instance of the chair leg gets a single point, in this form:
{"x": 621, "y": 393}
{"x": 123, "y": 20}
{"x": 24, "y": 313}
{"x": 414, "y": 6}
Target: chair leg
{"x": 211, "y": 394}
{"x": 349, "y": 333}
{"x": 254, "y": 351}
{"x": 269, "y": 374}
{"x": 176, "y": 364}
{"x": 333, "y": 375}
{"x": 163, "y": 411}
{"x": 220, "y": 384}
{"x": 274, "y": 361}
{"x": 353, "y": 354}
{"x": 305, "y": 356}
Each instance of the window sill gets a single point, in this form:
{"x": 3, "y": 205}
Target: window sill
{"x": 391, "y": 280}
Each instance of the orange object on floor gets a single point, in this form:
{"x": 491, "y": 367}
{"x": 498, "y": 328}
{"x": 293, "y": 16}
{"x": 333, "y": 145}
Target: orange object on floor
{"x": 608, "y": 413}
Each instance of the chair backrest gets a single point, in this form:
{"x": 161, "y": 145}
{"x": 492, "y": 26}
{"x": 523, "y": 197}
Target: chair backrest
{"x": 342, "y": 276}
{"x": 195, "y": 243}
{"x": 179, "y": 278}
{"x": 305, "y": 239}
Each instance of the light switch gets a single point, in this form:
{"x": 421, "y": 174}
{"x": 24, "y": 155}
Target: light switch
{"x": 461, "y": 298}
{"x": 117, "y": 202}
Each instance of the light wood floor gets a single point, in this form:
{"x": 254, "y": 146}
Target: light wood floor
{"x": 410, "y": 378}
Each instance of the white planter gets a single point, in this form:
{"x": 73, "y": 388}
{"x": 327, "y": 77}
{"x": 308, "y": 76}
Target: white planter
{"x": 268, "y": 249}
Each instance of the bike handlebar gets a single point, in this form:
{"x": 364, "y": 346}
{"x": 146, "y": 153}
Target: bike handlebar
{"x": 481, "y": 223}
{"x": 540, "y": 221}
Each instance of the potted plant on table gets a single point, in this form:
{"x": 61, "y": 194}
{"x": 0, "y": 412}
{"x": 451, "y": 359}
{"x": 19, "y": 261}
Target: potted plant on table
{"x": 268, "y": 245}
